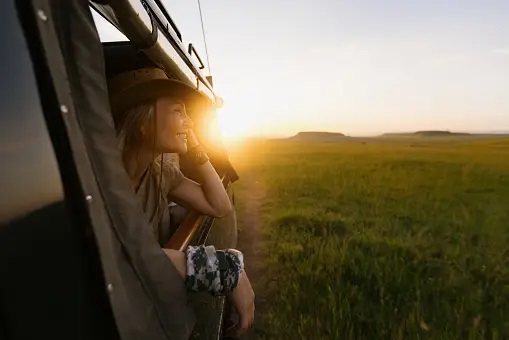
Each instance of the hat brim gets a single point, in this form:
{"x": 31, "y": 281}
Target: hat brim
{"x": 155, "y": 88}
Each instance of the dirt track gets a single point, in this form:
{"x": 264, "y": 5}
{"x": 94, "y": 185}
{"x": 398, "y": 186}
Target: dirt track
{"x": 249, "y": 242}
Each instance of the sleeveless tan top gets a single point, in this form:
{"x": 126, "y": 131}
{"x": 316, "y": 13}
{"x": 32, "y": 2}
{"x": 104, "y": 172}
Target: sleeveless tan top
{"x": 154, "y": 200}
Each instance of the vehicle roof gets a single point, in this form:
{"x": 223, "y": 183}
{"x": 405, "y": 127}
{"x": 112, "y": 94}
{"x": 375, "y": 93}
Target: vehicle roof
{"x": 161, "y": 42}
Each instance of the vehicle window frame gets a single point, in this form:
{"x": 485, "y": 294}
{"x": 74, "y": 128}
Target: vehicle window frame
{"x": 133, "y": 273}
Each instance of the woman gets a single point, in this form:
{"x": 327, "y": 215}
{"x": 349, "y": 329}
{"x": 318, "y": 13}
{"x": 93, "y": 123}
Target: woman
{"x": 149, "y": 112}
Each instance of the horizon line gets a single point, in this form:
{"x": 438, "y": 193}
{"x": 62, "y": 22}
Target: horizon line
{"x": 369, "y": 134}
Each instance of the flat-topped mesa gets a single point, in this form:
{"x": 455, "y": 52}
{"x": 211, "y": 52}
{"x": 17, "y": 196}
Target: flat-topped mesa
{"x": 318, "y": 136}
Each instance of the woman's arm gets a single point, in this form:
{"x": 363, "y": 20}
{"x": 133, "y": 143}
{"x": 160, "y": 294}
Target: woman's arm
{"x": 209, "y": 196}
{"x": 241, "y": 297}
{"x": 178, "y": 259}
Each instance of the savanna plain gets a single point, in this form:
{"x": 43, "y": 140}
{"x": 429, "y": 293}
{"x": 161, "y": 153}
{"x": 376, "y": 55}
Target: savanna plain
{"x": 380, "y": 238}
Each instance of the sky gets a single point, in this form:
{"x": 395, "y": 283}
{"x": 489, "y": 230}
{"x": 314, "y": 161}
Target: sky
{"x": 358, "y": 67}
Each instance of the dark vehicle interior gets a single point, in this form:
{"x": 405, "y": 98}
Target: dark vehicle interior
{"x": 79, "y": 261}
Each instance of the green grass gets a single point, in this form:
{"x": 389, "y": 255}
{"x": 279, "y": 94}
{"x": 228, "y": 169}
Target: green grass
{"x": 384, "y": 239}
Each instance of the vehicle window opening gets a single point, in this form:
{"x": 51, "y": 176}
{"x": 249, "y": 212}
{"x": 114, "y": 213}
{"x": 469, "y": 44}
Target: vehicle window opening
{"x": 107, "y": 32}
{"x": 120, "y": 56}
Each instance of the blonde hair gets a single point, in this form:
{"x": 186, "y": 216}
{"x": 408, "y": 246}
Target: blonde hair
{"x": 129, "y": 137}
{"x": 128, "y": 125}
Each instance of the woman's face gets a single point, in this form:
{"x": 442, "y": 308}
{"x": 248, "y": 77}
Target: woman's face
{"x": 172, "y": 125}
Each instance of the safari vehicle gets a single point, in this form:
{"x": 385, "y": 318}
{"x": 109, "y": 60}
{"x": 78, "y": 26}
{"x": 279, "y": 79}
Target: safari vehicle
{"x": 76, "y": 256}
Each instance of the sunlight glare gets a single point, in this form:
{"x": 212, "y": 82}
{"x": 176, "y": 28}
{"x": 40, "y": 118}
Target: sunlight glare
{"x": 232, "y": 124}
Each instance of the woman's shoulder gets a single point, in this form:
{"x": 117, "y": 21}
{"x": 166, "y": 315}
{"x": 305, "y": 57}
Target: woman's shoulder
{"x": 167, "y": 170}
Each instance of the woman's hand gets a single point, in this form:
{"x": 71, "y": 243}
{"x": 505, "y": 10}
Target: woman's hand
{"x": 242, "y": 299}
{"x": 192, "y": 141}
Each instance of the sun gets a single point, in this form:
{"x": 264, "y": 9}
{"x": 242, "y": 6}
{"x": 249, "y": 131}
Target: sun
{"x": 232, "y": 124}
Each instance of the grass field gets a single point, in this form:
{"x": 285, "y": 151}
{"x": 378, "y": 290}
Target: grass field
{"x": 383, "y": 239}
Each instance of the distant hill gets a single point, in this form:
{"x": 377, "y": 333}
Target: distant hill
{"x": 318, "y": 136}
{"x": 430, "y": 133}
{"x": 491, "y": 132}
